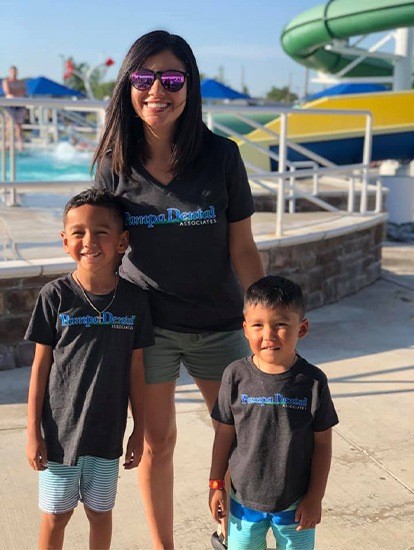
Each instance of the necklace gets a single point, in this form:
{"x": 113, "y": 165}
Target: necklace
{"x": 99, "y": 312}
{"x": 261, "y": 370}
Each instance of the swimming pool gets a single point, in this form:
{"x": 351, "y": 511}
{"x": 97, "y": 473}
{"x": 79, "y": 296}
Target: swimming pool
{"x": 61, "y": 163}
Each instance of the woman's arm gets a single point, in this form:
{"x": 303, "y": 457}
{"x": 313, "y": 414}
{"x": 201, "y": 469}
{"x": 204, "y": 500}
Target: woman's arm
{"x": 244, "y": 254}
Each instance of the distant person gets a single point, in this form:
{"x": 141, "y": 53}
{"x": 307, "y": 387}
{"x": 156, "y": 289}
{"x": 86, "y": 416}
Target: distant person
{"x": 14, "y": 87}
{"x": 89, "y": 327}
{"x": 189, "y": 209}
{"x": 275, "y": 418}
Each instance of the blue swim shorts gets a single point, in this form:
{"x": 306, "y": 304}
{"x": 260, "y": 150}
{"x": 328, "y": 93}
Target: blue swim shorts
{"x": 248, "y": 529}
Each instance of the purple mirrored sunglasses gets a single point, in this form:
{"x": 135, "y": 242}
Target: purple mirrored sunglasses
{"x": 171, "y": 80}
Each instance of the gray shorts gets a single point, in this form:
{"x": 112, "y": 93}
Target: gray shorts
{"x": 205, "y": 355}
{"x": 18, "y": 114}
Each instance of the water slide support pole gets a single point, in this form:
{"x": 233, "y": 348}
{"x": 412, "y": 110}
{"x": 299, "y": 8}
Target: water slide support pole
{"x": 404, "y": 42}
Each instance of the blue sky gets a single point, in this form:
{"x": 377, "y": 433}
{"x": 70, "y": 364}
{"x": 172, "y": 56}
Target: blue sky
{"x": 240, "y": 36}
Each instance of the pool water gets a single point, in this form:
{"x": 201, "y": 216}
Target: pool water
{"x": 60, "y": 163}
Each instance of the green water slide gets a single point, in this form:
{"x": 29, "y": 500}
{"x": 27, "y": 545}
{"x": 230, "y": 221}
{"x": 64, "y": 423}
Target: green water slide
{"x": 305, "y": 37}
{"x": 236, "y": 125}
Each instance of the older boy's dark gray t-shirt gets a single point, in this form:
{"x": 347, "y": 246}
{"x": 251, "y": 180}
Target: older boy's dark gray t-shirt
{"x": 86, "y": 401}
{"x": 179, "y": 237}
{"x": 275, "y": 417}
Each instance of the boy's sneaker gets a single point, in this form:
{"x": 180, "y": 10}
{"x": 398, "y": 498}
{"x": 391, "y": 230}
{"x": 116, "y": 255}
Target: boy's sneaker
{"x": 218, "y": 542}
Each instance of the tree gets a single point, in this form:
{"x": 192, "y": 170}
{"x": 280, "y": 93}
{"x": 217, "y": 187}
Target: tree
{"x": 281, "y": 95}
{"x": 86, "y": 79}
{"x": 72, "y": 75}
{"x": 104, "y": 89}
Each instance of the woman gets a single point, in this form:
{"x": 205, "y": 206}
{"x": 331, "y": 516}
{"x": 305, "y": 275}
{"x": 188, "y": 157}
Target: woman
{"x": 188, "y": 207}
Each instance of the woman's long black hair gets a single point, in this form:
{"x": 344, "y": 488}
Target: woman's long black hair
{"x": 124, "y": 132}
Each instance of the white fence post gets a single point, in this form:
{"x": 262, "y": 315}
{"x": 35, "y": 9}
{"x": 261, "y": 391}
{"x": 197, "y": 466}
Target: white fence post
{"x": 366, "y": 160}
{"x": 280, "y": 209}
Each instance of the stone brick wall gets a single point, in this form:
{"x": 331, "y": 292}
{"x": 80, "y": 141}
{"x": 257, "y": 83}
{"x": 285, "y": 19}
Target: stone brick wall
{"x": 328, "y": 270}
{"x": 17, "y": 299}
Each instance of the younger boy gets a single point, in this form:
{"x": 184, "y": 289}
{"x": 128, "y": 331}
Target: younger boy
{"x": 89, "y": 328}
{"x": 275, "y": 417}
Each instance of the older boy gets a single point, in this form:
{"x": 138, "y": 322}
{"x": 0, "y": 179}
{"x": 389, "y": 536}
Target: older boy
{"x": 275, "y": 416}
{"x": 89, "y": 328}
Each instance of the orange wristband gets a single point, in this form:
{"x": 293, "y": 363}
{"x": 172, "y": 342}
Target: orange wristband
{"x": 216, "y": 484}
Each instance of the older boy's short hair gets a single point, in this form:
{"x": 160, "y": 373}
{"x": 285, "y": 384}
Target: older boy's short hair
{"x": 275, "y": 291}
{"x": 97, "y": 197}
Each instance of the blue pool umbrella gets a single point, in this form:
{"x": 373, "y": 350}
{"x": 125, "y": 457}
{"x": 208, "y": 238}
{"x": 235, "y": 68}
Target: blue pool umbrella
{"x": 348, "y": 88}
{"x": 45, "y": 87}
{"x": 212, "y": 89}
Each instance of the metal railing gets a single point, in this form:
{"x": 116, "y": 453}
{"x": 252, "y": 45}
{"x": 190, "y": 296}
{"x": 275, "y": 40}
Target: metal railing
{"x": 282, "y": 183}
{"x": 289, "y": 172}
{"x": 47, "y": 116}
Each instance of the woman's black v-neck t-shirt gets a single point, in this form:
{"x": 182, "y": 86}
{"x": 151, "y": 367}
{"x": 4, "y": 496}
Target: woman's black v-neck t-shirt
{"x": 178, "y": 235}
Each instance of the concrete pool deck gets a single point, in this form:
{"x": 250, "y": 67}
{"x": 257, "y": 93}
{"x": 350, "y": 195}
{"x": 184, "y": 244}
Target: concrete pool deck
{"x": 365, "y": 344}
{"x": 30, "y": 235}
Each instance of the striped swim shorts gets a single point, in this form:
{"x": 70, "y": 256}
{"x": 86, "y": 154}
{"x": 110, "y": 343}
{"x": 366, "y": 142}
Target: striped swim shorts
{"x": 248, "y": 528}
{"x": 92, "y": 481}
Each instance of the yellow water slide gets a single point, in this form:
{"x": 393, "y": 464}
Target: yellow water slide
{"x": 393, "y": 129}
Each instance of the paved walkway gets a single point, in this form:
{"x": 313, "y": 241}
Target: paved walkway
{"x": 31, "y": 233}
{"x": 365, "y": 344}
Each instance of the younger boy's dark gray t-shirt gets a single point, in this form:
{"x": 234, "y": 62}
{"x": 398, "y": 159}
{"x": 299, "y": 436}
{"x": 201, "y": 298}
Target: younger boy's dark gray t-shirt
{"x": 275, "y": 417}
{"x": 86, "y": 401}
